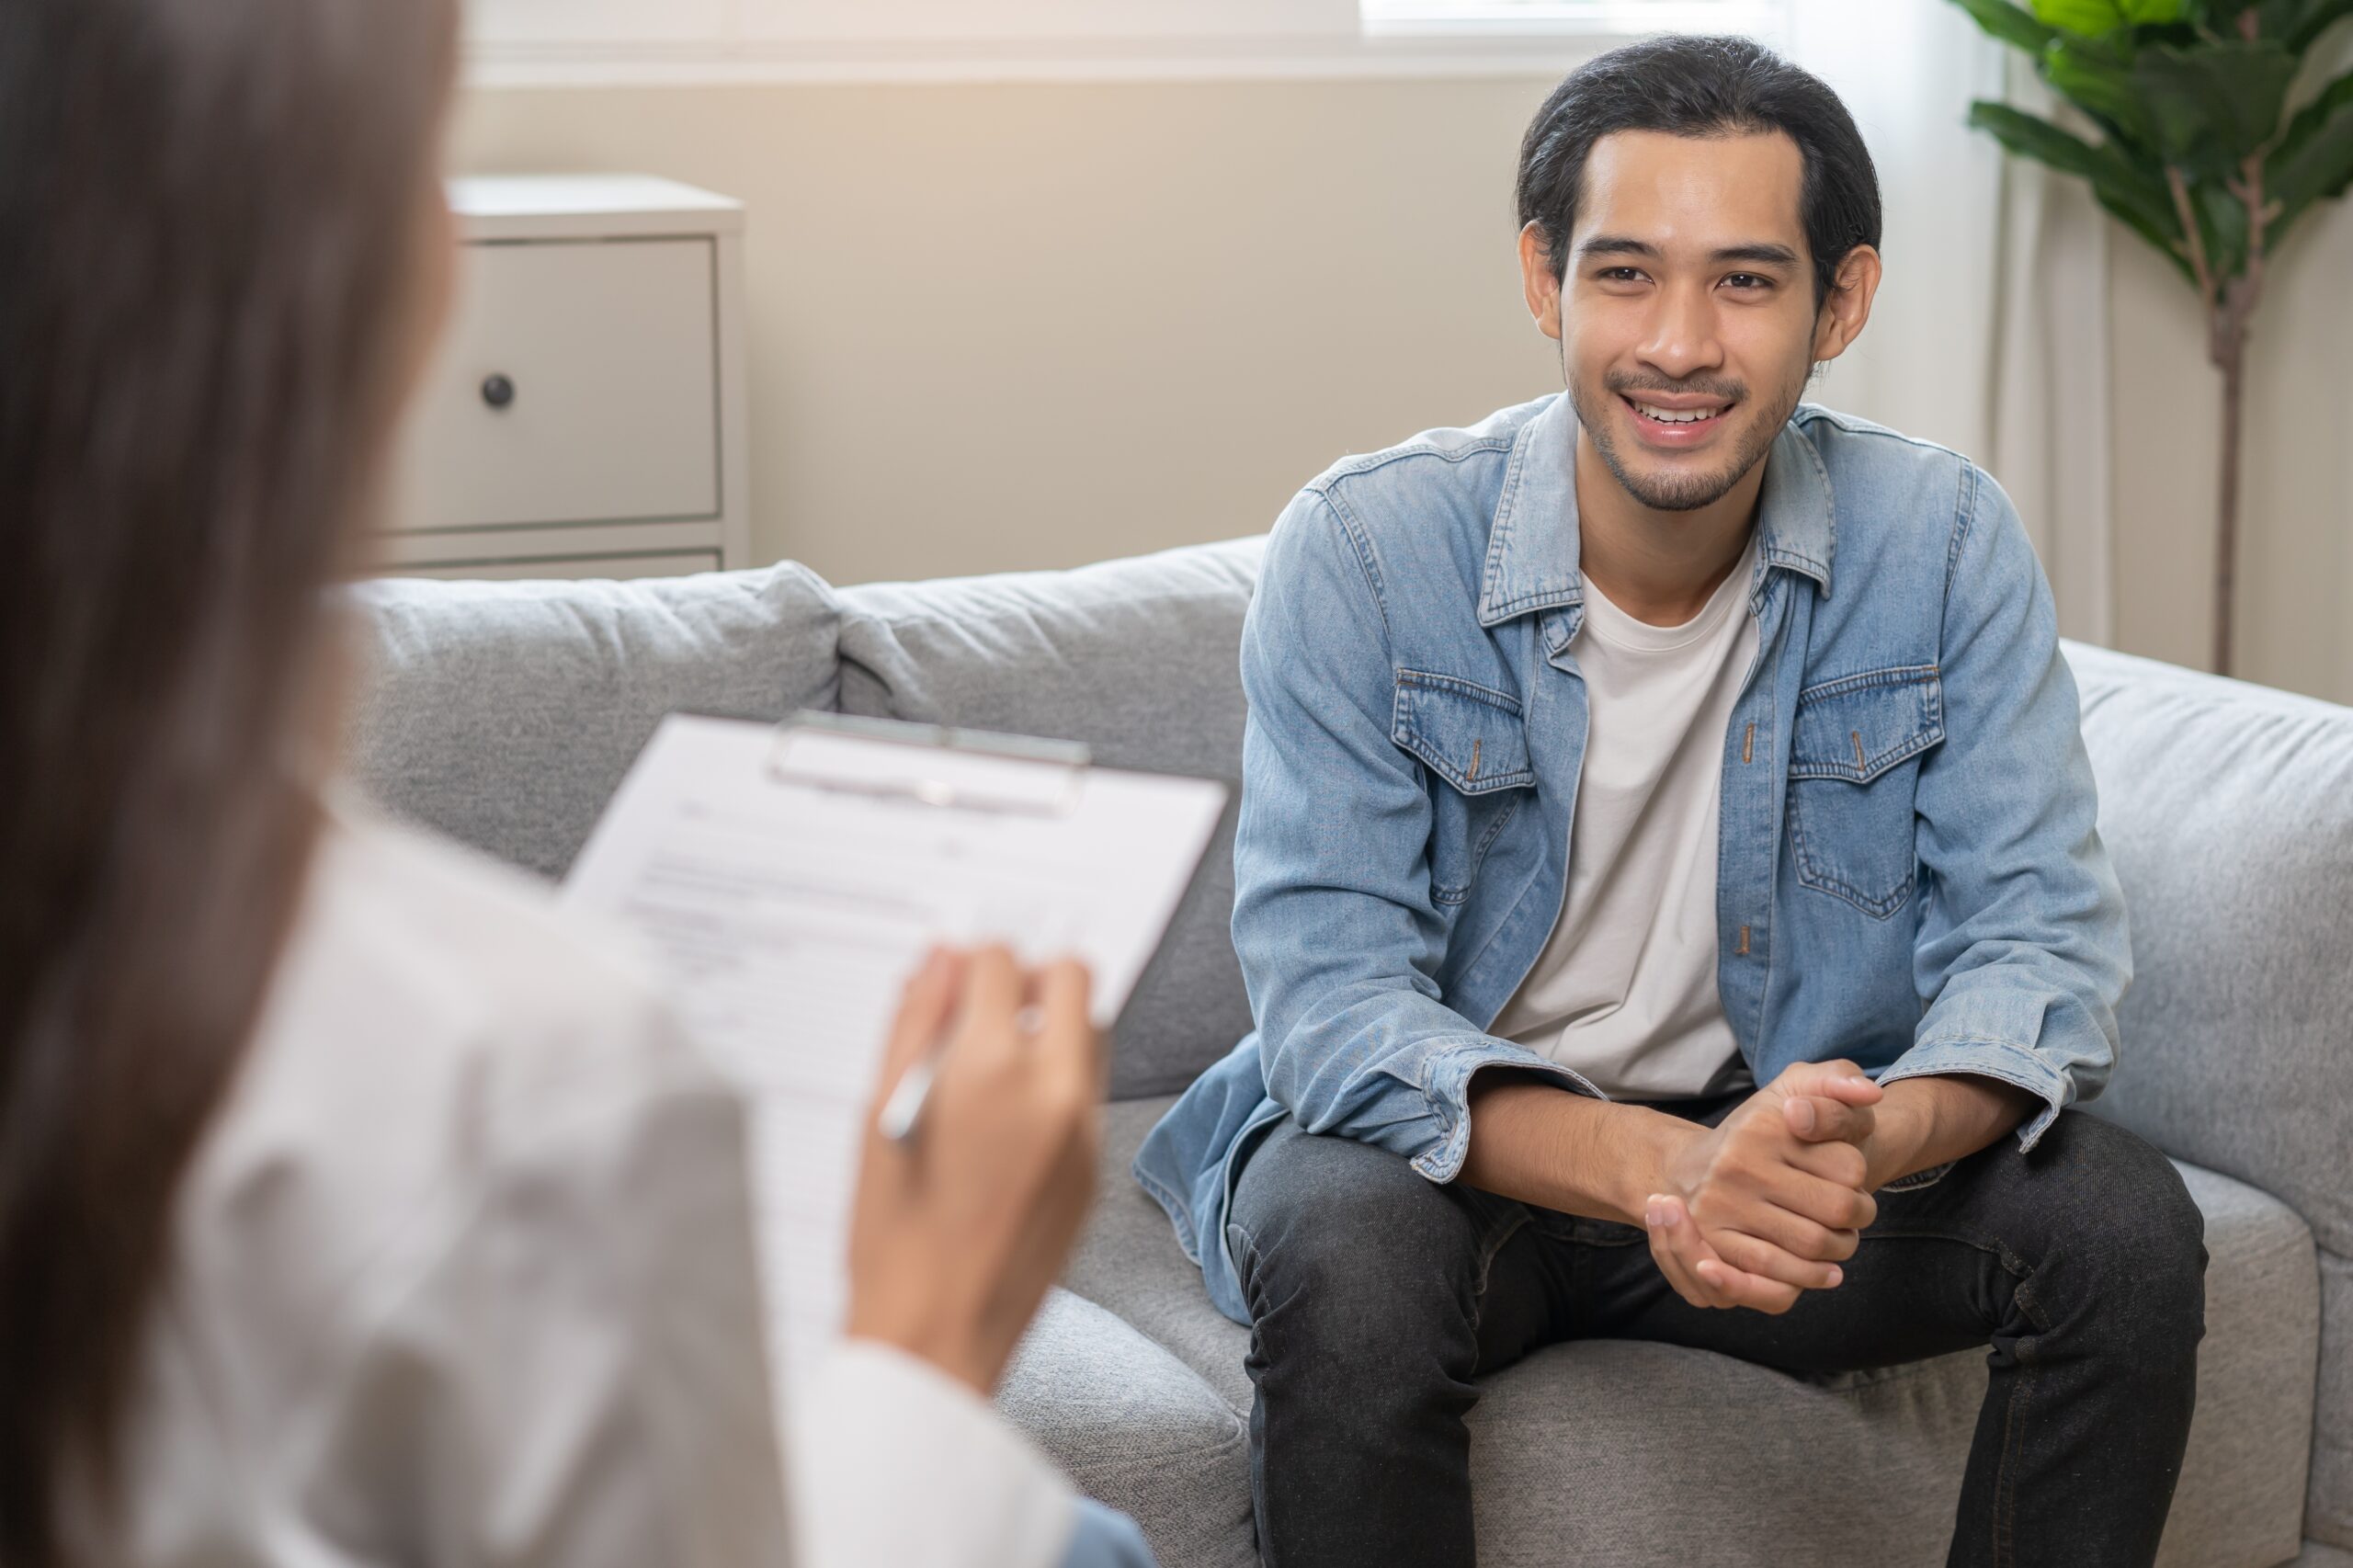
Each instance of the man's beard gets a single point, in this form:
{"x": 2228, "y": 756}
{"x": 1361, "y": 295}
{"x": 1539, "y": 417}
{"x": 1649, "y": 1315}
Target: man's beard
{"x": 1680, "y": 488}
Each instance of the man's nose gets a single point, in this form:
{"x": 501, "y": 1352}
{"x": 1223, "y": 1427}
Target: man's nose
{"x": 1682, "y": 339}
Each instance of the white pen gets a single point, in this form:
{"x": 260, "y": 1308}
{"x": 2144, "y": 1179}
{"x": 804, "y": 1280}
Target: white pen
{"x": 903, "y": 1112}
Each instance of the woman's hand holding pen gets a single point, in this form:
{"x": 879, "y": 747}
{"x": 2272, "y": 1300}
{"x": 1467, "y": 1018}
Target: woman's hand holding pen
{"x": 961, "y": 1224}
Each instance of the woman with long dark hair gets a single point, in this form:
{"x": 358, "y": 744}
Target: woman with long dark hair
{"x": 355, "y": 1208}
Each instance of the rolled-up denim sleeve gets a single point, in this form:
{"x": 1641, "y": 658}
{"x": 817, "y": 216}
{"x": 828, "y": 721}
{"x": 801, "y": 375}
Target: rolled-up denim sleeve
{"x": 2023, "y": 950}
{"x": 1339, "y": 937}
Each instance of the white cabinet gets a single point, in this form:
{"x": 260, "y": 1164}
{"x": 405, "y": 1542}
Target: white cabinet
{"x": 585, "y": 414}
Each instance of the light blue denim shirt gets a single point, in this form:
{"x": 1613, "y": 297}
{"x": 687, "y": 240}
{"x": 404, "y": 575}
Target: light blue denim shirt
{"x": 1908, "y": 873}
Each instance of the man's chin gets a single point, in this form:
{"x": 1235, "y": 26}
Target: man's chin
{"x": 1677, "y": 487}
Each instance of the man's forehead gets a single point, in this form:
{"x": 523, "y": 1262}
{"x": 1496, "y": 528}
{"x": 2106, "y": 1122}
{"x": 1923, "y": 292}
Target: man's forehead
{"x": 1698, "y": 190}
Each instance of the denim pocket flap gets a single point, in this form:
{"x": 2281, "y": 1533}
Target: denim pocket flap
{"x": 1859, "y": 727}
{"x": 1468, "y": 735}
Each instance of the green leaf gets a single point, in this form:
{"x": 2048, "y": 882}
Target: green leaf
{"x": 2011, "y": 24}
{"x": 2311, "y": 117}
{"x": 2273, "y": 18}
{"x": 2319, "y": 15}
{"x": 2319, "y": 170}
{"x": 2221, "y": 220}
{"x": 2133, "y": 194}
{"x": 2136, "y": 193}
{"x": 2214, "y": 104}
{"x": 2099, "y": 81}
{"x": 2164, "y": 244}
{"x": 2090, "y": 19}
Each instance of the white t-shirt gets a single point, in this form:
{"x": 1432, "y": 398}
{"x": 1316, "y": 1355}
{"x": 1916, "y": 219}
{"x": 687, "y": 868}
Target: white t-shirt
{"x": 463, "y": 1274}
{"x": 1625, "y": 989}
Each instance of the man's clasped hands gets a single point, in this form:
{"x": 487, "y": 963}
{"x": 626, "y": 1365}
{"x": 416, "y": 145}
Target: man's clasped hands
{"x": 1769, "y": 1204}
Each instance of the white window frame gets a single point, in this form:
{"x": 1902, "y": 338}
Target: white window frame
{"x": 599, "y": 42}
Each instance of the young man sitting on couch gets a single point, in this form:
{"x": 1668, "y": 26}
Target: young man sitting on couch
{"x": 1668, "y": 889}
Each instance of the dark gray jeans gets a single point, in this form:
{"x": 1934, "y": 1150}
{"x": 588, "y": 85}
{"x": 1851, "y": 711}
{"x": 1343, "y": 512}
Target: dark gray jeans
{"x": 1379, "y": 1296}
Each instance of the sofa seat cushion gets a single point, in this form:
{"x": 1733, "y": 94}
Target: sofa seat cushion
{"x": 1595, "y": 1452}
{"x": 504, "y": 714}
{"x": 1134, "y": 1428}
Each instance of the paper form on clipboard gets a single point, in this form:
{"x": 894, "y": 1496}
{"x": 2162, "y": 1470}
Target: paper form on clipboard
{"x": 790, "y": 878}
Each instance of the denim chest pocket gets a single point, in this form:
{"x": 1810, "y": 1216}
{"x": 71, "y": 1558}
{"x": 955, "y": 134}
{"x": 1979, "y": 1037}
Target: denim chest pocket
{"x": 1854, "y": 763}
{"x": 1473, "y": 742}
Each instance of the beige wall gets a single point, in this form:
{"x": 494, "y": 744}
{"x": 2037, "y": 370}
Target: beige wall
{"x": 1008, "y": 326}
{"x": 1032, "y": 325}
{"x": 2295, "y": 587}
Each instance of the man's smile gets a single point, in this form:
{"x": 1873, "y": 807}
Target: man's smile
{"x": 1675, "y": 422}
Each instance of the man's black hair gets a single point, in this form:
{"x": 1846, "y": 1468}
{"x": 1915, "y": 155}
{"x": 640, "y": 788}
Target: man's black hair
{"x": 1703, "y": 87}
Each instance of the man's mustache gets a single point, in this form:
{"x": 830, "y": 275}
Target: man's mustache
{"x": 1705, "y": 386}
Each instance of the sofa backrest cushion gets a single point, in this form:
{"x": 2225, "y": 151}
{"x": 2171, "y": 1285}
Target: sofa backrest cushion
{"x": 1137, "y": 659}
{"x": 504, "y": 714}
{"x": 2229, "y": 811}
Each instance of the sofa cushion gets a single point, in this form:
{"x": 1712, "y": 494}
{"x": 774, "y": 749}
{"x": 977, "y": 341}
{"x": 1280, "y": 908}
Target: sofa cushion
{"x": 2229, "y": 811}
{"x": 1134, "y": 1428}
{"x": 504, "y": 713}
{"x": 1593, "y": 1452}
{"x": 1137, "y": 659}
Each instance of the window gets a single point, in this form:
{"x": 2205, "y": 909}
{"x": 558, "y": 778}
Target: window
{"x": 557, "y": 41}
{"x": 1614, "y": 18}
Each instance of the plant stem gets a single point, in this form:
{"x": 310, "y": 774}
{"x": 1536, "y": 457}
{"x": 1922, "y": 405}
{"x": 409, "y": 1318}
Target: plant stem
{"x": 2193, "y": 238}
{"x": 2232, "y": 362}
{"x": 2233, "y": 315}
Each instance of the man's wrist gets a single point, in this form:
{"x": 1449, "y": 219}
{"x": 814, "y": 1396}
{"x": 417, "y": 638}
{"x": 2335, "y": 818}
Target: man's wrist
{"x": 1894, "y": 1144}
{"x": 1660, "y": 1138}
{"x": 1929, "y": 1120}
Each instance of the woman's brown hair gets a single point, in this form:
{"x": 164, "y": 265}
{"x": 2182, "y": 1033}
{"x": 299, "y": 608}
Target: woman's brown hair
{"x": 212, "y": 213}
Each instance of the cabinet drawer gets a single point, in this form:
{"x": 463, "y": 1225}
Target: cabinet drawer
{"x": 609, "y": 361}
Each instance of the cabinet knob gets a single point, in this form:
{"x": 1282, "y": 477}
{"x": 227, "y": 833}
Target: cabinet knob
{"x": 498, "y": 391}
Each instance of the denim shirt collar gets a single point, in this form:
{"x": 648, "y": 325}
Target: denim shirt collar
{"x": 1532, "y": 549}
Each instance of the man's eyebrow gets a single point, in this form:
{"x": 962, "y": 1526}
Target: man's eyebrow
{"x": 1762, "y": 253}
{"x": 1614, "y": 244}
{"x": 1759, "y": 253}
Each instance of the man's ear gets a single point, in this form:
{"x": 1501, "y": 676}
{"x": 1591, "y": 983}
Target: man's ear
{"x": 1537, "y": 278}
{"x": 1849, "y": 306}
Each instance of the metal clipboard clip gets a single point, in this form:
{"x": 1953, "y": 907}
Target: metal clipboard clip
{"x": 930, "y": 765}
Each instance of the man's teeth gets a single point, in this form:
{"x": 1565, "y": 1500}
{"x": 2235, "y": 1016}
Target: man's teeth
{"x": 1670, "y": 416}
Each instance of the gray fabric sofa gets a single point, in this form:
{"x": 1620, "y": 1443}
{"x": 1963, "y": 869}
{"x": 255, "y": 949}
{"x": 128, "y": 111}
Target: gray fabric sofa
{"x": 504, "y": 713}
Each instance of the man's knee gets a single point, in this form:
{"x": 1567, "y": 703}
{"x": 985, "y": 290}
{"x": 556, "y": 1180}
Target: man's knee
{"x": 1351, "y": 1260}
{"x": 2136, "y": 1235}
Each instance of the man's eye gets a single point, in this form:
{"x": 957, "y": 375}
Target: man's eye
{"x": 1748, "y": 280}
{"x": 1620, "y": 275}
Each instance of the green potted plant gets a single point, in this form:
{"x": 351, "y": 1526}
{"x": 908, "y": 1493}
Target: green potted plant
{"x": 2204, "y": 150}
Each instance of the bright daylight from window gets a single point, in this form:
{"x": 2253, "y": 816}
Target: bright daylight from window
{"x": 1582, "y": 15}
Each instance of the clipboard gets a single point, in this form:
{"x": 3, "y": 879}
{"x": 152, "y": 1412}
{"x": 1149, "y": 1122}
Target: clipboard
{"x": 787, "y": 879}
{"x": 939, "y": 766}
